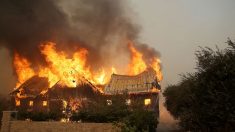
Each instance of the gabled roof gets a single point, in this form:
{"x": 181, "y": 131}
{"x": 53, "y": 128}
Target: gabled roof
{"x": 36, "y": 86}
{"x": 32, "y": 87}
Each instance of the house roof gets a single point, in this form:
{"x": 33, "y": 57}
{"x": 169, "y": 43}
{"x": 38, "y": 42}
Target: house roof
{"x": 143, "y": 82}
{"x": 32, "y": 87}
{"x": 36, "y": 86}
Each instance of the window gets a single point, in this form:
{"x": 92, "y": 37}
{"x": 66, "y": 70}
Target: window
{"x": 128, "y": 101}
{"x": 44, "y": 103}
{"x": 17, "y": 102}
{"x": 109, "y": 102}
{"x": 147, "y": 101}
{"x": 65, "y": 103}
{"x": 30, "y": 103}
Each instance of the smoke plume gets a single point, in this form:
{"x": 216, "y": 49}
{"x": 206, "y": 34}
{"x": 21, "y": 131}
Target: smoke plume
{"x": 101, "y": 26}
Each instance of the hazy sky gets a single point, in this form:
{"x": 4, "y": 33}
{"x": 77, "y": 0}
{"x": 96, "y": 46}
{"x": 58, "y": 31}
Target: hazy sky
{"x": 175, "y": 28}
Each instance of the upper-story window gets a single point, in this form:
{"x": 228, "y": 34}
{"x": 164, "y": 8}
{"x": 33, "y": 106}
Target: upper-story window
{"x": 147, "y": 101}
{"x": 30, "y": 103}
{"x": 44, "y": 103}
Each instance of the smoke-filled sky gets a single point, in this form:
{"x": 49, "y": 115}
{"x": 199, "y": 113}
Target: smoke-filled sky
{"x": 103, "y": 27}
{"x": 173, "y": 28}
{"x": 177, "y": 28}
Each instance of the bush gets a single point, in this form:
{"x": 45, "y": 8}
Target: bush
{"x": 128, "y": 118}
{"x": 204, "y": 100}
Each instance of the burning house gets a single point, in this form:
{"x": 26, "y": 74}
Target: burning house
{"x": 67, "y": 54}
{"x": 69, "y": 82}
{"x": 142, "y": 87}
{"x": 34, "y": 95}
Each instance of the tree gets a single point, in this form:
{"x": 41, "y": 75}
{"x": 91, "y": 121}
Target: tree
{"x": 205, "y": 100}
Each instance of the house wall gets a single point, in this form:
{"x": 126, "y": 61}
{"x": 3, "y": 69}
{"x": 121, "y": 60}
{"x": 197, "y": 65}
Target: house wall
{"x": 37, "y": 105}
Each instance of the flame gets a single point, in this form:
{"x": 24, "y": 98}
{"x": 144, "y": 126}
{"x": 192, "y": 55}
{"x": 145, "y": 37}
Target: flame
{"x": 61, "y": 68}
{"x": 137, "y": 64}
{"x": 101, "y": 77}
{"x": 113, "y": 70}
{"x": 22, "y": 69}
{"x": 156, "y": 65}
{"x": 70, "y": 70}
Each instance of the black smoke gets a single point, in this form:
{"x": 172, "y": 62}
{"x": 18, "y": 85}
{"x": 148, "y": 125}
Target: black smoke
{"x": 101, "y": 26}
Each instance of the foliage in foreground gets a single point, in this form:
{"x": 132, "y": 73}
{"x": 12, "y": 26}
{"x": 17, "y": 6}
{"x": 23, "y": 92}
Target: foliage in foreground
{"x": 129, "y": 118}
{"x": 205, "y": 100}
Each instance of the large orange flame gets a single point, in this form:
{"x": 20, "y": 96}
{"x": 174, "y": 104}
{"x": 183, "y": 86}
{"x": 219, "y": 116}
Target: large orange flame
{"x": 156, "y": 65}
{"x": 22, "y": 69}
{"x": 137, "y": 64}
{"x": 63, "y": 69}
{"x": 70, "y": 70}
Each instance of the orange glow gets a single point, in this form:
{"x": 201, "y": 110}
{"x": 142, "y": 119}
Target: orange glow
{"x": 137, "y": 64}
{"x": 147, "y": 101}
{"x": 113, "y": 70}
{"x": 100, "y": 78}
{"x": 30, "y": 103}
{"x": 71, "y": 70}
{"x": 157, "y": 67}
{"x": 68, "y": 70}
{"x": 44, "y": 103}
{"x": 62, "y": 68}
{"x": 22, "y": 69}
{"x": 155, "y": 90}
{"x": 17, "y": 101}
